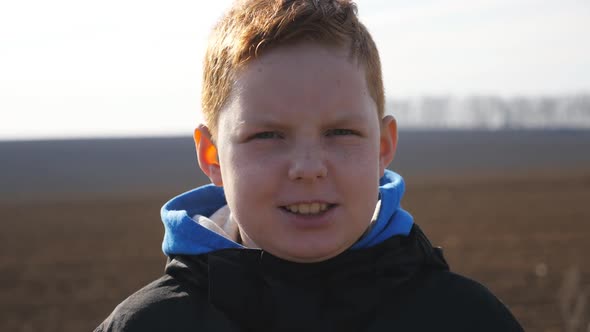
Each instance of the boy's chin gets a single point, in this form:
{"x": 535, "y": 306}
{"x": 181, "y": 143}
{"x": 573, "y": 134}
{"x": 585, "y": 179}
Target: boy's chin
{"x": 307, "y": 254}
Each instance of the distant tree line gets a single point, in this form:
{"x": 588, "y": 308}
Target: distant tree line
{"x": 492, "y": 112}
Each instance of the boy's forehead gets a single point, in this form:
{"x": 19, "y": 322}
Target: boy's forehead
{"x": 271, "y": 119}
{"x": 296, "y": 69}
{"x": 304, "y": 49}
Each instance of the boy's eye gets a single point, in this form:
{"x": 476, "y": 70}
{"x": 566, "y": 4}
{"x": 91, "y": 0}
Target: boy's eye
{"x": 341, "y": 132}
{"x": 265, "y": 135}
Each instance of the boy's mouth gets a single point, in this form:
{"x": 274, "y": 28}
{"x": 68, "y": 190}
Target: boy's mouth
{"x": 308, "y": 208}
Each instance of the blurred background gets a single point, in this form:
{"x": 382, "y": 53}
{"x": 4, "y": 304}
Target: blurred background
{"x": 98, "y": 101}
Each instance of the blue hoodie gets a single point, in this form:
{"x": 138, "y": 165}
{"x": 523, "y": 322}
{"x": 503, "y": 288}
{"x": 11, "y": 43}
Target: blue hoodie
{"x": 184, "y": 235}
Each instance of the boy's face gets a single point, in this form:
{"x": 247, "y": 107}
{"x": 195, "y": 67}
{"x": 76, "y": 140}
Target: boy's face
{"x": 301, "y": 151}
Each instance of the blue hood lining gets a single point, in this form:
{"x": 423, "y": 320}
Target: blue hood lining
{"x": 185, "y": 236}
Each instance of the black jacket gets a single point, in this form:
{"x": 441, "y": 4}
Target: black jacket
{"x": 402, "y": 284}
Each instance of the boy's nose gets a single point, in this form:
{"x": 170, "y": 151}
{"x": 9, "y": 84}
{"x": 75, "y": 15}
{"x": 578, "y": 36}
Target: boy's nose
{"x": 308, "y": 165}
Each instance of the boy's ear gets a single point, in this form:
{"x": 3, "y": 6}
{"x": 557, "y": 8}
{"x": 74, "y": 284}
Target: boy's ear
{"x": 388, "y": 142}
{"x": 207, "y": 155}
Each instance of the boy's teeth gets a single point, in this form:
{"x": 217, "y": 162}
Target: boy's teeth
{"x": 311, "y": 208}
{"x": 314, "y": 208}
{"x": 304, "y": 208}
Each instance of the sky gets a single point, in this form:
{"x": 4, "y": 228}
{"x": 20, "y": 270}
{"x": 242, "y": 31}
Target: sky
{"x": 71, "y": 69}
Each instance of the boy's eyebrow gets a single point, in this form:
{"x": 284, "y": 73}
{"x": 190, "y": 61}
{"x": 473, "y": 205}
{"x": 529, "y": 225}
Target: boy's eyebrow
{"x": 342, "y": 119}
{"x": 260, "y": 122}
{"x": 348, "y": 118}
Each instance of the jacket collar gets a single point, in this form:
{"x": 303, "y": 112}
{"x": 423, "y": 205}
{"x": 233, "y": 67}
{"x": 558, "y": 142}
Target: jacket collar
{"x": 263, "y": 292}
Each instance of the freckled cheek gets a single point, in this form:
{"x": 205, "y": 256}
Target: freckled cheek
{"x": 249, "y": 182}
{"x": 254, "y": 164}
{"x": 357, "y": 156}
{"x": 356, "y": 168}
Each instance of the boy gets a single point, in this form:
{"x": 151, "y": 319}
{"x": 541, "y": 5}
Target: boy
{"x": 302, "y": 228}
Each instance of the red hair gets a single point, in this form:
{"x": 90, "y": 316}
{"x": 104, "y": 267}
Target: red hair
{"x": 252, "y": 27}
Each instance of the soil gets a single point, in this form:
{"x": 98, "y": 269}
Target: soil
{"x": 66, "y": 264}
